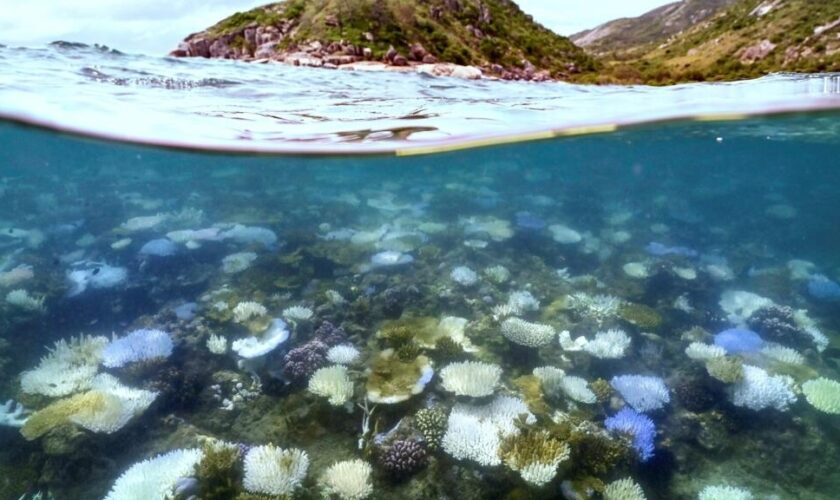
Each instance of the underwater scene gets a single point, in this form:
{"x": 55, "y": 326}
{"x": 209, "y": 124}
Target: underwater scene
{"x": 647, "y": 313}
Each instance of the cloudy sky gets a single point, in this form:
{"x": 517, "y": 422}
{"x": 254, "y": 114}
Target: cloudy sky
{"x": 156, "y": 26}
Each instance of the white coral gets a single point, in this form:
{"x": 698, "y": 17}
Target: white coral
{"x": 624, "y": 489}
{"x": 343, "y": 354}
{"x": 740, "y": 305}
{"x": 551, "y": 378}
{"x": 217, "y": 344}
{"x": 823, "y": 394}
{"x": 21, "y": 298}
{"x": 298, "y": 313}
{"x": 723, "y": 492}
{"x": 699, "y": 351}
{"x": 783, "y": 354}
{"x": 238, "y": 262}
{"x": 759, "y": 390}
{"x": 596, "y": 307}
{"x": 470, "y": 378}
{"x": 578, "y": 389}
{"x": 155, "y": 478}
{"x": 348, "y": 480}
{"x": 527, "y": 334}
{"x": 611, "y": 344}
{"x": 273, "y": 470}
{"x": 121, "y": 404}
{"x": 333, "y": 383}
{"x": 69, "y": 367}
{"x": 247, "y": 310}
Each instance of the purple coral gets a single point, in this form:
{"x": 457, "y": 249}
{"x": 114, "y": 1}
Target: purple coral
{"x": 403, "y": 458}
{"x": 739, "y": 341}
{"x": 639, "y": 427}
{"x": 330, "y": 334}
{"x": 301, "y": 362}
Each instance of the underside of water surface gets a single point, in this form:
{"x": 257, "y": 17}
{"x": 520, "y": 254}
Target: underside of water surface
{"x": 652, "y": 304}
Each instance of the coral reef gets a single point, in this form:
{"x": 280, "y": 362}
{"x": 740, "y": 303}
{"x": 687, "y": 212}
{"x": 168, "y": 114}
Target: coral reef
{"x": 403, "y": 458}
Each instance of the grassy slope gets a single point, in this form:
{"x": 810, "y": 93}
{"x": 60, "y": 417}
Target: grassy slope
{"x": 711, "y": 50}
{"x": 509, "y": 37}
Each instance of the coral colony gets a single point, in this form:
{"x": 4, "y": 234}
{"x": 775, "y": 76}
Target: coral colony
{"x": 439, "y": 334}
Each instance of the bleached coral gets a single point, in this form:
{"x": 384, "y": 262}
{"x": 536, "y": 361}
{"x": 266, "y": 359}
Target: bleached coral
{"x": 699, "y": 351}
{"x": 783, "y": 354}
{"x": 523, "y": 300}
{"x": 12, "y": 414}
{"x": 809, "y": 326}
{"x": 823, "y": 394}
{"x": 564, "y": 234}
{"x": 497, "y": 274}
{"x": 139, "y": 345}
{"x": 723, "y": 492}
{"x": 250, "y": 234}
{"x": 298, "y": 313}
{"x": 217, "y": 344}
{"x": 21, "y": 298}
{"x": 470, "y": 378}
{"x": 642, "y": 392}
{"x": 611, "y": 344}
{"x": 155, "y": 478}
{"x": 567, "y": 344}
{"x": 759, "y": 390}
{"x": 624, "y": 489}
{"x": 464, "y": 276}
{"x": 740, "y": 305}
{"x": 528, "y": 334}
{"x": 333, "y": 383}
{"x": 106, "y": 408}
{"x": 595, "y": 307}
{"x": 535, "y": 455}
{"x": 348, "y": 480}
{"x": 69, "y": 367}
{"x": 475, "y": 432}
{"x": 467, "y": 437}
{"x": 343, "y": 354}
{"x": 247, "y": 310}
{"x": 238, "y": 262}
{"x": 121, "y": 405}
{"x": 143, "y": 223}
{"x": 254, "y": 347}
{"x": 551, "y": 378}
{"x": 273, "y": 470}
{"x": 578, "y": 389}
{"x": 17, "y": 275}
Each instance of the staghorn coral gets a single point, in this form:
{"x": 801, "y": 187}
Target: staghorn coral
{"x": 535, "y": 454}
{"x": 219, "y": 473}
{"x": 759, "y": 390}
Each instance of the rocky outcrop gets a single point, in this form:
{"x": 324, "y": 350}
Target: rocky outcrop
{"x": 456, "y": 39}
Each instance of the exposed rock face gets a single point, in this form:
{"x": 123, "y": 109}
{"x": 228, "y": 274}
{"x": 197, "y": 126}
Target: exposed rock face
{"x": 757, "y": 52}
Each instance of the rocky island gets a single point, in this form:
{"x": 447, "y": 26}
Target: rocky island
{"x": 465, "y": 38}
{"x": 687, "y": 40}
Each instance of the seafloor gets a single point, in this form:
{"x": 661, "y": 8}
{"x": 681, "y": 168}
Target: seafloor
{"x": 530, "y": 321}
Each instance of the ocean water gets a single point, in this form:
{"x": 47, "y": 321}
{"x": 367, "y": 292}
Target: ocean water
{"x": 229, "y": 281}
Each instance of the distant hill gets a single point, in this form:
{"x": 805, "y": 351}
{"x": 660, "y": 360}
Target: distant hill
{"x": 653, "y": 27}
{"x": 494, "y": 35}
{"x": 697, "y": 40}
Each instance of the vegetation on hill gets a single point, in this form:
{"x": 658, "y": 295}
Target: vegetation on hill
{"x": 468, "y": 32}
{"x": 746, "y": 39}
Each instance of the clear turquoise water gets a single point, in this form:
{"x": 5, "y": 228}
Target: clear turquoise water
{"x": 753, "y": 198}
